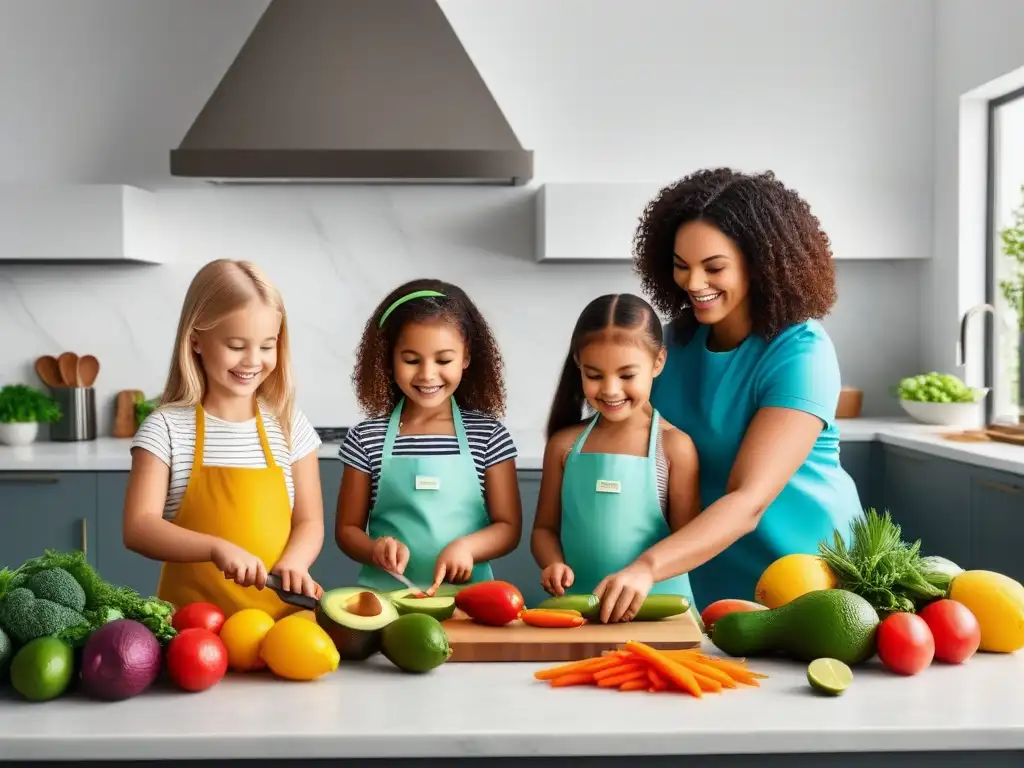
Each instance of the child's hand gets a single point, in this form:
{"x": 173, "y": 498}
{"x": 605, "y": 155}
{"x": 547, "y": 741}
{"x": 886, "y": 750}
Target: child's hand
{"x": 557, "y": 578}
{"x": 295, "y": 578}
{"x": 390, "y": 554}
{"x": 244, "y": 568}
{"x": 622, "y": 593}
{"x": 454, "y": 563}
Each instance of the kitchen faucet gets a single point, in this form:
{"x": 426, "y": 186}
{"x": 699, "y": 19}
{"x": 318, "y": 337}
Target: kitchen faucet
{"x": 961, "y": 347}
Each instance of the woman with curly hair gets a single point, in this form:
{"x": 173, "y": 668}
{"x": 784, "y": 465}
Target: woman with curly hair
{"x": 743, "y": 271}
{"x": 433, "y": 469}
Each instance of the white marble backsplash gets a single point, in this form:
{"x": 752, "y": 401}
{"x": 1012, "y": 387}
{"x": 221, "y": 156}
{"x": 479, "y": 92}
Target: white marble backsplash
{"x": 334, "y": 251}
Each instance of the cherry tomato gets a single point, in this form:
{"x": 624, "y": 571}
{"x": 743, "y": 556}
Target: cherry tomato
{"x": 201, "y": 615}
{"x": 956, "y": 631}
{"x": 905, "y": 643}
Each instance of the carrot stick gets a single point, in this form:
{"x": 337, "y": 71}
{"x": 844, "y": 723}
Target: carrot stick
{"x": 551, "y": 619}
{"x": 737, "y": 672}
{"x": 657, "y": 682}
{"x": 707, "y": 684}
{"x": 618, "y": 669}
{"x": 633, "y": 685}
{"x": 708, "y": 670}
{"x": 625, "y": 677}
{"x": 589, "y": 665}
{"x": 671, "y": 669}
{"x": 573, "y": 678}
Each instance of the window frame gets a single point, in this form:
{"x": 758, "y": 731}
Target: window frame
{"x": 990, "y": 242}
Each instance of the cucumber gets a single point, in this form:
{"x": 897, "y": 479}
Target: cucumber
{"x": 655, "y": 607}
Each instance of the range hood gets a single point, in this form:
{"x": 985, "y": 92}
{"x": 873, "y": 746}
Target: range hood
{"x": 359, "y": 91}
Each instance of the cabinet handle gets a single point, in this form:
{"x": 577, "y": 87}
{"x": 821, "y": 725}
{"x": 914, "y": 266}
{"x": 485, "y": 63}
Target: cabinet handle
{"x": 36, "y": 478}
{"x": 1012, "y": 489}
{"x": 85, "y": 536}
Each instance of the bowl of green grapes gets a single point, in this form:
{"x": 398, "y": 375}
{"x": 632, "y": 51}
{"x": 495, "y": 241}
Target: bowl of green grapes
{"x": 942, "y": 398}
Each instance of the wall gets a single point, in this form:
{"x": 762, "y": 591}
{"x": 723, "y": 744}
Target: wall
{"x": 597, "y": 93}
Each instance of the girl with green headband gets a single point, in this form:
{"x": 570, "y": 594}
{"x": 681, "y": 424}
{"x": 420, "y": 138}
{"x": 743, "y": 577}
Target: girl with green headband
{"x": 429, "y": 488}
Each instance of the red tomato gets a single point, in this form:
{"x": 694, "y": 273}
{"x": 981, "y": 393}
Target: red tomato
{"x": 201, "y": 615}
{"x": 905, "y": 643}
{"x": 196, "y": 659}
{"x": 956, "y": 631}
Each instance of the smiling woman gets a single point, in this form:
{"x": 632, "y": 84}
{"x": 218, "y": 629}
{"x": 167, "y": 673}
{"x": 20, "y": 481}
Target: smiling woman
{"x": 743, "y": 271}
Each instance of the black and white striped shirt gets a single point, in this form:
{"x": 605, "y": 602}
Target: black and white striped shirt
{"x": 489, "y": 442}
{"x": 170, "y": 435}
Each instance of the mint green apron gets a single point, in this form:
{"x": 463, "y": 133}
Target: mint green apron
{"x": 611, "y": 514}
{"x": 426, "y": 502}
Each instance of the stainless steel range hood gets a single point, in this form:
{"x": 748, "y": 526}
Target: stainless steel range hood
{"x": 360, "y": 91}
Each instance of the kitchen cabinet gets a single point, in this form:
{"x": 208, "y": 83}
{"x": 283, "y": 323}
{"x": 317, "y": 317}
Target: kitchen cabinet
{"x": 117, "y": 563}
{"x": 46, "y": 510}
{"x": 997, "y": 522}
{"x": 929, "y": 497}
{"x": 860, "y": 462}
{"x": 518, "y": 566}
{"x": 333, "y": 568}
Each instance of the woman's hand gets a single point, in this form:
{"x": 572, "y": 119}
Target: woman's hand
{"x": 390, "y": 554}
{"x": 296, "y": 578}
{"x": 557, "y": 578}
{"x": 454, "y": 563}
{"x": 243, "y": 567}
{"x": 622, "y": 593}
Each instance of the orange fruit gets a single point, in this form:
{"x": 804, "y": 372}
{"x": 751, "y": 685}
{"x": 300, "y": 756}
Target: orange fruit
{"x": 243, "y": 634}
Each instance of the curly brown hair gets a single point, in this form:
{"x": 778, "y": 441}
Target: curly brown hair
{"x": 789, "y": 256}
{"x": 482, "y": 387}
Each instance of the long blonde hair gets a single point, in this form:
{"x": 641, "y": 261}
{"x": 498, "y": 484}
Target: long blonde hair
{"x": 218, "y": 289}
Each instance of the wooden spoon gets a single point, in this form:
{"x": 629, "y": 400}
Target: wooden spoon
{"x": 88, "y": 370}
{"x": 68, "y": 364}
{"x": 49, "y": 372}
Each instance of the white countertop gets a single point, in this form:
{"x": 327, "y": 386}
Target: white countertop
{"x": 108, "y": 454}
{"x": 371, "y": 710}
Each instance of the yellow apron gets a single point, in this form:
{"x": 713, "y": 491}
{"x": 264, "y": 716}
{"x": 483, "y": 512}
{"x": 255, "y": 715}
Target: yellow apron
{"x": 247, "y": 506}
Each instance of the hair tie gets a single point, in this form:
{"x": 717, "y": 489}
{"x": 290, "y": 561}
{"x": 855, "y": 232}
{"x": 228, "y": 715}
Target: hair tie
{"x": 408, "y": 297}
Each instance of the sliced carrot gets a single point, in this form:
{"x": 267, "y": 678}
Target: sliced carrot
{"x": 673, "y": 670}
{"x": 657, "y": 681}
{"x": 707, "y": 670}
{"x": 589, "y": 665}
{"x": 618, "y": 669}
{"x": 737, "y": 672}
{"x": 634, "y": 685}
{"x": 707, "y": 684}
{"x": 625, "y": 677}
{"x": 573, "y": 678}
{"x": 552, "y": 619}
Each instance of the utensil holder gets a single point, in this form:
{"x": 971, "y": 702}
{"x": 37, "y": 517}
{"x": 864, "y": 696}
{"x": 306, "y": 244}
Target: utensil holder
{"x": 78, "y": 414}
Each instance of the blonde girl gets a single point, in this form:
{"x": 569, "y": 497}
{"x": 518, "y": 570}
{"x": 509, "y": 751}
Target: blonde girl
{"x": 225, "y": 484}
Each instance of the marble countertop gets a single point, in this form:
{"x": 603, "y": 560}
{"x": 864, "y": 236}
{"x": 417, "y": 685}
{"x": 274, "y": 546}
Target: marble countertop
{"x": 108, "y": 454}
{"x": 370, "y": 710}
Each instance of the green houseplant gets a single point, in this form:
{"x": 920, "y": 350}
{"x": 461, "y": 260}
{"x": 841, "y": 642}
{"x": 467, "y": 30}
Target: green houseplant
{"x": 22, "y": 410}
{"x": 1012, "y": 288}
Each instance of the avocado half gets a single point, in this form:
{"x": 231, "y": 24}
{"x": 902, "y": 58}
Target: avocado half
{"x": 354, "y": 617}
{"x": 441, "y": 606}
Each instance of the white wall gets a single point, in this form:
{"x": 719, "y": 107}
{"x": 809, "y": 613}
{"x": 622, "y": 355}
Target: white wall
{"x": 836, "y": 97}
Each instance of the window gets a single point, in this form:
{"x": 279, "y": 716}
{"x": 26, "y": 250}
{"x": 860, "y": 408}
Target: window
{"x": 1005, "y": 267}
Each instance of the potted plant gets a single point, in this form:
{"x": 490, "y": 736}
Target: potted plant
{"x": 22, "y": 410}
{"x": 1012, "y": 288}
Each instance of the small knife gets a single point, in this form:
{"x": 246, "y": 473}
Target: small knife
{"x": 409, "y": 584}
{"x": 295, "y": 598}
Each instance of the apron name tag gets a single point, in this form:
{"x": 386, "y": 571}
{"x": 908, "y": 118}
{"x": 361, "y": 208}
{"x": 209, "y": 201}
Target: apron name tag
{"x": 424, "y": 483}
{"x": 609, "y": 486}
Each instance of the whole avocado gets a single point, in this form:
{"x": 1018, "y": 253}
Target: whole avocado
{"x": 832, "y": 623}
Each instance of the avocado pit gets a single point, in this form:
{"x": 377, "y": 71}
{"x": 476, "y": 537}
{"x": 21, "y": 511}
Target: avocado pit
{"x": 364, "y": 604}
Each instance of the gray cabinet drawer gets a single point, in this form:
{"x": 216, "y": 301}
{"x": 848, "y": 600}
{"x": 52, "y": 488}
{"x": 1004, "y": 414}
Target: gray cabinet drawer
{"x": 46, "y": 510}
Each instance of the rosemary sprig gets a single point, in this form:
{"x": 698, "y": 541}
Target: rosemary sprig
{"x": 878, "y": 565}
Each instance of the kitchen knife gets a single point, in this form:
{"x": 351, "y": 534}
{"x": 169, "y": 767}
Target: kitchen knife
{"x": 409, "y": 584}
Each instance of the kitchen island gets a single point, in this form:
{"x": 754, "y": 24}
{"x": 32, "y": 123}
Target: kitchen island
{"x": 495, "y": 714}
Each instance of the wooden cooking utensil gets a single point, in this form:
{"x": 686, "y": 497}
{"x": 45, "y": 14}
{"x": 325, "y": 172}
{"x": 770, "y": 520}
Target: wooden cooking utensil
{"x": 124, "y": 416}
{"x": 49, "y": 372}
{"x": 88, "y": 370}
{"x": 68, "y": 364}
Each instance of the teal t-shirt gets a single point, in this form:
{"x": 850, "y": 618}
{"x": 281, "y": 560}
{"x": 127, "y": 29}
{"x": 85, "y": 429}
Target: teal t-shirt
{"x": 712, "y": 396}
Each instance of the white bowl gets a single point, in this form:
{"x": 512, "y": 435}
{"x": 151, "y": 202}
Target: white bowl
{"x": 19, "y": 432}
{"x": 967, "y": 415}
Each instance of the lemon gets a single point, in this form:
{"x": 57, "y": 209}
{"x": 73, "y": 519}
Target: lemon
{"x": 829, "y": 676}
{"x": 791, "y": 576}
{"x": 297, "y": 649}
{"x": 997, "y": 602}
{"x": 242, "y": 634}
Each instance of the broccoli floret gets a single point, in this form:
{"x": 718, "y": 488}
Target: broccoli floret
{"x": 57, "y": 586}
{"x": 26, "y": 617}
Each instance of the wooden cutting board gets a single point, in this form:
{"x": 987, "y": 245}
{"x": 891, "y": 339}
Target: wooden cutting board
{"x": 518, "y": 642}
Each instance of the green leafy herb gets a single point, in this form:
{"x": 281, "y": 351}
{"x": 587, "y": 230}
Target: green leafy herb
{"x": 878, "y": 565}
{"x": 23, "y": 404}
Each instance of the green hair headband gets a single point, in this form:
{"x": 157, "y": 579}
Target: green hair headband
{"x": 408, "y": 297}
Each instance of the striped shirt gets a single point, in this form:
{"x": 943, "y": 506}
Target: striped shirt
{"x": 489, "y": 442}
{"x": 170, "y": 435}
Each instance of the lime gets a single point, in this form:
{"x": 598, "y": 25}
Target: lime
{"x": 6, "y": 651}
{"x": 829, "y": 676}
{"x": 42, "y": 669}
{"x": 415, "y": 643}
